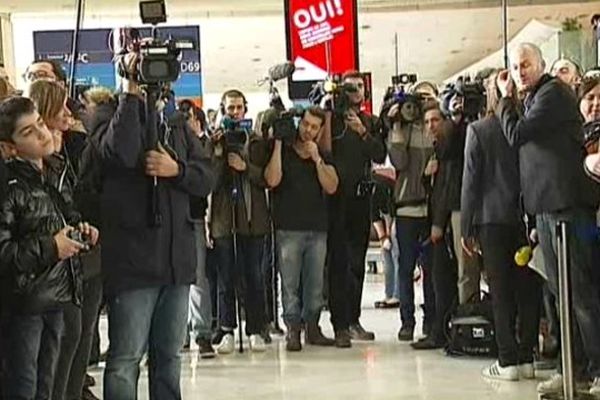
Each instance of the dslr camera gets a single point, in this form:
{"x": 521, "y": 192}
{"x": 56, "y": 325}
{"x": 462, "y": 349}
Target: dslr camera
{"x": 77, "y": 236}
{"x": 158, "y": 59}
{"x": 411, "y": 107}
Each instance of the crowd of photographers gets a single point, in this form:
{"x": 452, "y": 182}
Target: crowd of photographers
{"x": 182, "y": 223}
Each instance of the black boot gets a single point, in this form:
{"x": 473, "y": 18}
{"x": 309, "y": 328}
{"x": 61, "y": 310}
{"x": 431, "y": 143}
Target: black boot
{"x": 342, "y": 339}
{"x": 314, "y": 336}
{"x": 293, "y": 342}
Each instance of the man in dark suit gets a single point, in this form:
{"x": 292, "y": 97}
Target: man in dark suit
{"x": 549, "y": 137}
{"x": 491, "y": 212}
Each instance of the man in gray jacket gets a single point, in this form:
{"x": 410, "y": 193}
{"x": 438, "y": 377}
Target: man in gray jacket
{"x": 410, "y": 150}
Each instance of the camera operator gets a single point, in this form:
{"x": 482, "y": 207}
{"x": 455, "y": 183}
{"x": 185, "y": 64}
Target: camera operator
{"x": 410, "y": 149}
{"x": 240, "y": 157}
{"x": 301, "y": 177}
{"x": 357, "y": 142}
{"x": 444, "y": 271}
{"x": 550, "y": 142}
{"x": 148, "y": 264}
{"x": 491, "y": 214}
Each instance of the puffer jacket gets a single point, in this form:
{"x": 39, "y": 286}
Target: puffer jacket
{"x": 32, "y": 211}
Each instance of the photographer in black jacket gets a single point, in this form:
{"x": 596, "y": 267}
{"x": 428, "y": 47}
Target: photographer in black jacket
{"x": 148, "y": 267}
{"x": 549, "y": 137}
{"x": 357, "y": 142}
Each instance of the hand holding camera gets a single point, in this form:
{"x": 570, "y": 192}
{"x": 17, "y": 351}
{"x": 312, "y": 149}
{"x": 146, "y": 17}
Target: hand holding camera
{"x": 65, "y": 245}
{"x": 160, "y": 164}
{"x": 236, "y": 162}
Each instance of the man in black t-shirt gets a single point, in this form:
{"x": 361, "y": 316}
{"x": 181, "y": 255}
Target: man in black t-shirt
{"x": 301, "y": 177}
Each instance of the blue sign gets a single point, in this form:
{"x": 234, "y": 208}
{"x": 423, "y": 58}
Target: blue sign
{"x": 95, "y": 61}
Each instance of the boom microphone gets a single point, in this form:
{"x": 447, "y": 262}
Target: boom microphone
{"x": 281, "y": 71}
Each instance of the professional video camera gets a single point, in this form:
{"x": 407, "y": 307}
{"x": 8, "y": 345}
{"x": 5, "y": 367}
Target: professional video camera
{"x": 159, "y": 60}
{"x": 285, "y": 126}
{"x": 473, "y": 96}
{"x": 410, "y": 104}
{"x": 235, "y": 133}
{"x": 340, "y": 91}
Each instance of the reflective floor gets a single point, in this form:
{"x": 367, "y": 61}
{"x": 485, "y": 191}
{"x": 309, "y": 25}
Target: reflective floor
{"x": 385, "y": 369}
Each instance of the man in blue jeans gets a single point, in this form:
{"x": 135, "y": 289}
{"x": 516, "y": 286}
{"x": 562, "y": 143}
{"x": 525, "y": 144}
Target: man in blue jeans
{"x": 148, "y": 249}
{"x": 301, "y": 179}
{"x": 549, "y": 137}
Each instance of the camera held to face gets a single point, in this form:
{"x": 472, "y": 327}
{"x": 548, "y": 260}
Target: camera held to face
{"x": 235, "y": 133}
{"x": 410, "y": 105}
{"x": 158, "y": 60}
{"x": 285, "y": 126}
{"x": 339, "y": 90}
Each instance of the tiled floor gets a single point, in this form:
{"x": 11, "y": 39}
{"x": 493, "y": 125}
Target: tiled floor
{"x": 385, "y": 369}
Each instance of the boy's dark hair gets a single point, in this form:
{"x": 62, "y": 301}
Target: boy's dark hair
{"x": 11, "y": 110}
{"x": 57, "y": 68}
{"x": 318, "y": 112}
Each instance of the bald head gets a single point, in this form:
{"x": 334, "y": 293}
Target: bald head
{"x": 526, "y": 66}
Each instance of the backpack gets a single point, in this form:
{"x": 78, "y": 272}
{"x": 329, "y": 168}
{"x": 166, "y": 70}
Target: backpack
{"x": 471, "y": 330}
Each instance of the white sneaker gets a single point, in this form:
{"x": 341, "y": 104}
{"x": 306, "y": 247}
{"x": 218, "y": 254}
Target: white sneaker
{"x": 495, "y": 371}
{"x": 526, "y": 371}
{"x": 552, "y": 385}
{"x": 595, "y": 387}
{"x": 257, "y": 344}
{"x": 227, "y": 344}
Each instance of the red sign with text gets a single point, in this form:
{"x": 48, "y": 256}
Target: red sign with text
{"x": 322, "y": 39}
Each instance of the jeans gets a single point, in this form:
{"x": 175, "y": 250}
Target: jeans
{"x": 302, "y": 260}
{"x": 410, "y": 234}
{"x": 516, "y": 294}
{"x": 245, "y": 278}
{"x": 200, "y": 315}
{"x": 92, "y": 297}
{"x": 34, "y": 345}
{"x": 152, "y": 320}
{"x": 348, "y": 240}
{"x": 390, "y": 260}
{"x": 469, "y": 276}
{"x": 581, "y": 237}
{"x": 68, "y": 347}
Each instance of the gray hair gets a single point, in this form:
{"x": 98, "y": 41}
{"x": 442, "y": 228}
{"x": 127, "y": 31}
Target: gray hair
{"x": 527, "y": 46}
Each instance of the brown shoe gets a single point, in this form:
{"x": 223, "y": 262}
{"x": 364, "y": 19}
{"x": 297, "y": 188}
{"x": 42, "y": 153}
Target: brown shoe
{"x": 315, "y": 337}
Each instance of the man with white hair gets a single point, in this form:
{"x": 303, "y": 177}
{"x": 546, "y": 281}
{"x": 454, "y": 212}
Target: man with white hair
{"x": 550, "y": 142}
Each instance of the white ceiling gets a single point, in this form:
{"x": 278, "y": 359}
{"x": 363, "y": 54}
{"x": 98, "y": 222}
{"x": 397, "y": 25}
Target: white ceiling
{"x": 237, "y": 50}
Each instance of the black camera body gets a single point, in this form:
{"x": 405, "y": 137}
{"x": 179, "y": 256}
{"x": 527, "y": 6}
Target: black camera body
{"x": 340, "y": 91}
{"x": 591, "y": 135}
{"x": 158, "y": 59}
{"x": 410, "y": 105}
{"x": 473, "y": 95}
{"x": 285, "y": 126}
{"x": 235, "y": 133}
{"x": 81, "y": 238}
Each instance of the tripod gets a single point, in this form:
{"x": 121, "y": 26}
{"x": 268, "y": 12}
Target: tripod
{"x": 236, "y": 192}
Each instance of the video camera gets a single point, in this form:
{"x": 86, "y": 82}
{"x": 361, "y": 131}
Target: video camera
{"x": 410, "y": 105}
{"x": 473, "y": 95}
{"x": 339, "y": 89}
{"x": 159, "y": 60}
{"x": 235, "y": 133}
{"x": 285, "y": 125}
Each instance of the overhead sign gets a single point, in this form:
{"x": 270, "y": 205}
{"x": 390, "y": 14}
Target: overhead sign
{"x": 322, "y": 39}
{"x": 95, "y": 66}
